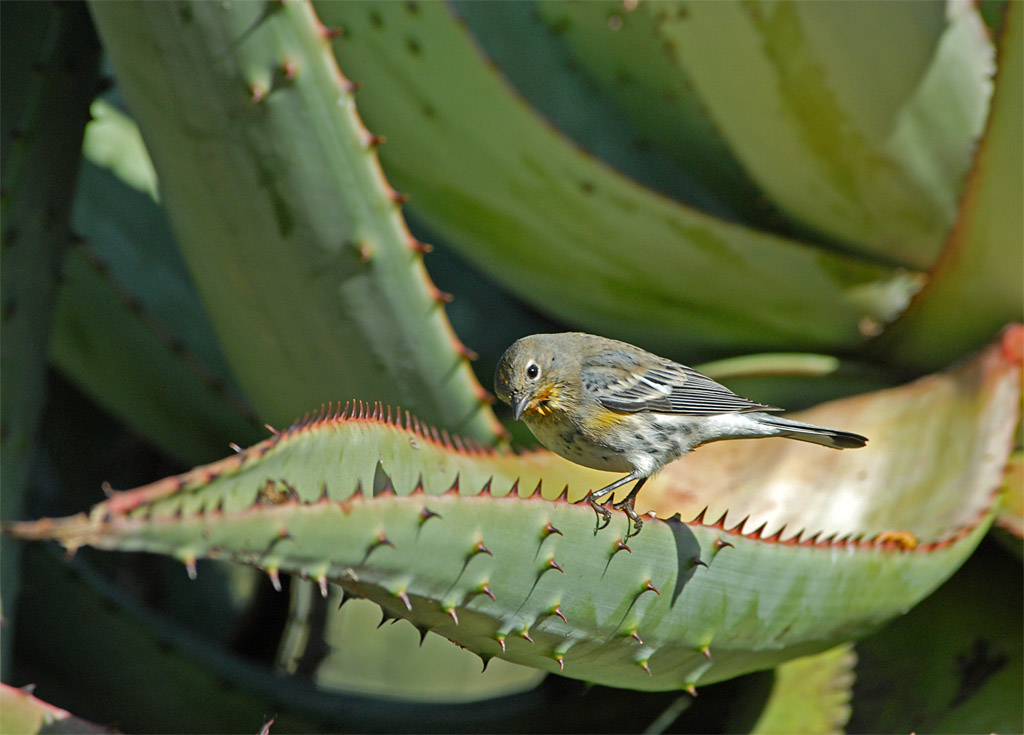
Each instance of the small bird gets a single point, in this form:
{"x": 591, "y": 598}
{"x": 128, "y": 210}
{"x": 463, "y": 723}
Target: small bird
{"x": 611, "y": 406}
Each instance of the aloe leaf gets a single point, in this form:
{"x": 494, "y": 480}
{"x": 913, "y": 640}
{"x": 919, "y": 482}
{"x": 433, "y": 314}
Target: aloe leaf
{"x": 463, "y": 542}
{"x": 976, "y": 286}
{"x": 616, "y": 46}
{"x": 567, "y": 233}
{"x": 543, "y": 70}
{"x": 347, "y": 650}
{"x": 293, "y": 237}
{"x": 806, "y": 96}
{"x": 811, "y": 694}
{"x": 51, "y": 60}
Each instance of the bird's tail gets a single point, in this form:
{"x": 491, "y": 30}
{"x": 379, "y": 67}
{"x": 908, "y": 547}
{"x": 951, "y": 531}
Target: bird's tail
{"x": 815, "y": 434}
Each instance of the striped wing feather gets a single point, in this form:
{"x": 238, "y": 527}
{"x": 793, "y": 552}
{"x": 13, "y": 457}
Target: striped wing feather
{"x": 666, "y": 387}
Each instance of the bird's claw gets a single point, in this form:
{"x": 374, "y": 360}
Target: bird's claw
{"x": 626, "y": 506}
{"x": 602, "y": 513}
{"x": 604, "y": 516}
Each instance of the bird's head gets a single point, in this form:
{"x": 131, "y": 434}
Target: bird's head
{"x": 530, "y": 375}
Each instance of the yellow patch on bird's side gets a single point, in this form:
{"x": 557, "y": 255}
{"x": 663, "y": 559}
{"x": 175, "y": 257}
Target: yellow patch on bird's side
{"x": 603, "y": 421}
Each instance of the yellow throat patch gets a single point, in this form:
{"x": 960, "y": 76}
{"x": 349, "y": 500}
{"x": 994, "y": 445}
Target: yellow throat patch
{"x": 545, "y": 402}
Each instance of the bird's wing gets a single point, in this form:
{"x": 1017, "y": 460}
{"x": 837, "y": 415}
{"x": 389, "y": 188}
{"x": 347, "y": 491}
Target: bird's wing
{"x": 619, "y": 383}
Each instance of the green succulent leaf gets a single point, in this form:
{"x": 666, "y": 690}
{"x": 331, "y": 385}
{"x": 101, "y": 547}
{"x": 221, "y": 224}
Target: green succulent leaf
{"x": 857, "y": 119}
{"x": 810, "y": 694}
{"x": 347, "y": 650}
{"x": 547, "y": 72}
{"x": 487, "y": 549}
{"x": 616, "y": 46}
{"x": 569, "y": 234}
{"x": 976, "y": 286}
{"x": 293, "y": 238}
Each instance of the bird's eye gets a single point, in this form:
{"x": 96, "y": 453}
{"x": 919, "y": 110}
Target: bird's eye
{"x": 532, "y": 371}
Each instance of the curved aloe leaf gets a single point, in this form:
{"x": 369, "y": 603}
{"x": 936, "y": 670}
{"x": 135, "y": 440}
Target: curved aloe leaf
{"x": 810, "y": 694}
{"x": 542, "y": 68}
{"x": 347, "y": 650}
{"x": 462, "y": 541}
{"x": 807, "y": 96}
{"x": 616, "y": 46}
{"x": 976, "y": 286}
{"x": 293, "y": 237}
{"x": 566, "y": 232}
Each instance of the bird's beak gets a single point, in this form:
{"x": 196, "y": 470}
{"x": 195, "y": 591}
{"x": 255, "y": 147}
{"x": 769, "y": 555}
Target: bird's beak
{"x": 519, "y": 405}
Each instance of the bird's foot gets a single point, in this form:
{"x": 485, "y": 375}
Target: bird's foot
{"x": 626, "y": 506}
{"x": 603, "y": 514}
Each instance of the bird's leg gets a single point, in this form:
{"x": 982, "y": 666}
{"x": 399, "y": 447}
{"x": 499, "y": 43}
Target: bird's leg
{"x": 602, "y": 512}
{"x": 626, "y": 506}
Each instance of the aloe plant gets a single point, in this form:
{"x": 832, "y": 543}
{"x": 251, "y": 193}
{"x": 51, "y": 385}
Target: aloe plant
{"x": 261, "y": 266}
{"x": 455, "y": 540}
